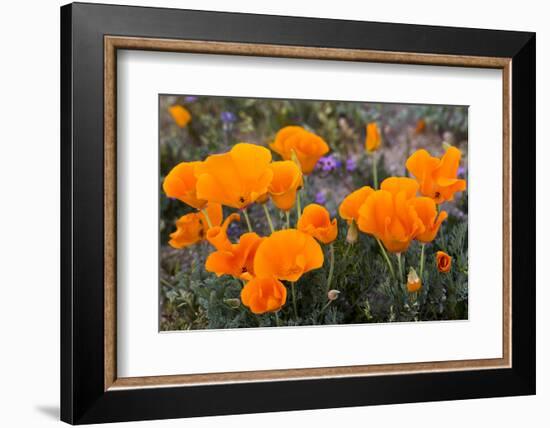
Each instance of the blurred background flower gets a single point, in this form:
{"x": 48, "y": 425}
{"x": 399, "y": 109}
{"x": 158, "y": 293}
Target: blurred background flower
{"x": 227, "y": 117}
{"x": 328, "y": 163}
{"x": 320, "y": 197}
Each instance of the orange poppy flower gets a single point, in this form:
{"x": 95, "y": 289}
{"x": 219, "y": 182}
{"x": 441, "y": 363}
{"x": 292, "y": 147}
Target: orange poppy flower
{"x": 180, "y": 115}
{"x": 181, "y": 183}
{"x": 287, "y": 178}
{"x": 263, "y": 295}
{"x": 400, "y": 185}
{"x": 443, "y": 261}
{"x": 287, "y": 255}
{"x": 237, "y": 178}
{"x": 307, "y": 146}
{"x": 427, "y": 211}
{"x": 389, "y": 215}
{"x": 232, "y": 259}
{"x": 217, "y": 236}
{"x": 262, "y": 199}
{"x": 191, "y": 228}
{"x": 437, "y": 177}
{"x": 372, "y": 138}
{"x": 315, "y": 221}
{"x": 349, "y": 208}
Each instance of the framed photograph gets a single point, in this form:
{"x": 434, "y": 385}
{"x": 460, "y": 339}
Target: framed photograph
{"x": 266, "y": 213}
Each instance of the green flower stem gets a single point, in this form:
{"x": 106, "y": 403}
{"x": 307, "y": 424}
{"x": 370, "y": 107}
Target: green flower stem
{"x": 277, "y": 320}
{"x": 287, "y": 214}
{"x": 386, "y": 257}
{"x": 247, "y": 220}
{"x": 375, "y": 171}
{"x": 298, "y": 207}
{"x": 331, "y": 269}
{"x": 348, "y": 248}
{"x": 293, "y": 290}
{"x": 324, "y": 308}
{"x": 266, "y": 211}
{"x": 421, "y": 268}
{"x": 207, "y": 217}
{"x": 398, "y": 255}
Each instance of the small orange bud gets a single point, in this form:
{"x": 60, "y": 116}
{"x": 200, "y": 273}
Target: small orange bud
{"x": 420, "y": 126}
{"x": 413, "y": 281}
{"x": 444, "y": 261}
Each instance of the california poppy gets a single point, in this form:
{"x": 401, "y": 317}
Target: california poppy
{"x": 389, "y": 215}
{"x": 437, "y": 177}
{"x": 307, "y": 146}
{"x": 217, "y": 236}
{"x": 232, "y": 259}
{"x": 315, "y": 221}
{"x": 287, "y": 179}
{"x": 181, "y": 183}
{"x": 262, "y": 199}
{"x": 236, "y": 178}
{"x": 400, "y": 185}
{"x": 372, "y": 138}
{"x": 443, "y": 261}
{"x": 263, "y": 295}
{"x": 287, "y": 255}
{"x": 349, "y": 208}
{"x": 180, "y": 115}
{"x": 427, "y": 212}
{"x": 192, "y": 228}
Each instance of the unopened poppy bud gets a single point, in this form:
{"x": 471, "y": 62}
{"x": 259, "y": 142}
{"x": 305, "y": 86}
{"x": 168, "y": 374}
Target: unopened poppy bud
{"x": 443, "y": 261}
{"x": 373, "y": 138}
{"x": 232, "y": 303}
{"x": 413, "y": 281}
{"x": 353, "y": 233}
{"x": 343, "y": 123}
{"x": 333, "y": 295}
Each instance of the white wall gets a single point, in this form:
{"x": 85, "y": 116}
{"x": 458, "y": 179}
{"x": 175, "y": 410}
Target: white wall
{"x": 29, "y": 213}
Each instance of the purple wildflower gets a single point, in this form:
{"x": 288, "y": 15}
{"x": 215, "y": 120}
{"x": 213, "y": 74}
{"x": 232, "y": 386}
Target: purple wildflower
{"x": 320, "y": 197}
{"x": 227, "y": 117}
{"x": 327, "y": 163}
{"x": 461, "y": 171}
{"x": 190, "y": 99}
{"x": 351, "y": 164}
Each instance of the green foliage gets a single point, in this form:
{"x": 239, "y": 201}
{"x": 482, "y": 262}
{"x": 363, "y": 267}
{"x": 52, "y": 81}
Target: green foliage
{"x": 368, "y": 294}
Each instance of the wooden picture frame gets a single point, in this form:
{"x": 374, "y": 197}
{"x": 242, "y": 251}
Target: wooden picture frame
{"x": 91, "y": 390}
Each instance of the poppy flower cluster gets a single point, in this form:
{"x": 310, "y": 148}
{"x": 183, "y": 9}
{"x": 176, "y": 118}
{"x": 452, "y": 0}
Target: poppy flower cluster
{"x": 245, "y": 175}
{"x": 407, "y": 209}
